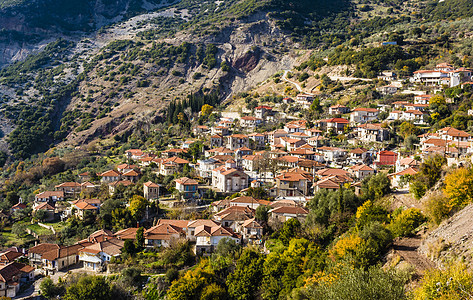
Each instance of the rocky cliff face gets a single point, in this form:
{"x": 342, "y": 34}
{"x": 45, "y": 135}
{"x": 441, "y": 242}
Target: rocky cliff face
{"x": 29, "y": 25}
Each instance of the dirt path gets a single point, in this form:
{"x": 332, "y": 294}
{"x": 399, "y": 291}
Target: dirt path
{"x": 402, "y": 198}
{"x": 298, "y": 87}
{"x": 345, "y": 78}
{"x": 406, "y": 248}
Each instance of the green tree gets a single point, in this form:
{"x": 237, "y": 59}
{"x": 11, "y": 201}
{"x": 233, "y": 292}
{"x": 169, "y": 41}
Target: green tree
{"x": 406, "y": 222}
{"x": 12, "y": 198}
{"x": 206, "y": 110}
{"x": 139, "y": 239}
{"x": 91, "y": 288}
{"x": 214, "y": 292}
{"x": 191, "y": 285}
{"x": 261, "y": 213}
{"x": 315, "y": 106}
{"x": 41, "y": 215}
{"x": 129, "y": 248}
{"x": 19, "y": 229}
{"x": 227, "y": 247}
{"x": 48, "y": 289}
{"x": 138, "y": 206}
{"x": 430, "y": 172}
{"x": 375, "y": 186}
{"x": 290, "y": 230}
{"x": 243, "y": 283}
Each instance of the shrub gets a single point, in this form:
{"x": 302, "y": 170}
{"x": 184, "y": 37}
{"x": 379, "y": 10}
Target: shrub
{"x": 456, "y": 282}
{"x": 406, "y": 222}
{"x": 373, "y": 283}
{"x": 437, "y": 208}
{"x": 459, "y": 187}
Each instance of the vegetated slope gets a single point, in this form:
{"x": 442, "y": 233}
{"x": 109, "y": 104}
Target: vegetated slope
{"x": 452, "y": 239}
{"x": 448, "y": 10}
{"x": 126, "y": 74}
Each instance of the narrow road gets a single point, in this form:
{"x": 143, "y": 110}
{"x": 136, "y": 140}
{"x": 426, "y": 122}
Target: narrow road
{"x": 406, "y": 248}
{"x": 298, "y": 87}
{"x": 344, "y": 78}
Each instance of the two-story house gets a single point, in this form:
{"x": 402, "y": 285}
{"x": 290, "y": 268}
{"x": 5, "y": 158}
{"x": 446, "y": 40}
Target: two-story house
{"x": 236, "y": 141}
{"x": 207, "y": 238}
{"x": 363, "y": 115}
{"x": 187, "y": 187}
{"x": 293, "y": 184}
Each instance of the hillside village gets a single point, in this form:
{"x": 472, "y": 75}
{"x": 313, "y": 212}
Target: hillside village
{"x": 236, "y": 150}
{"x": 245, "y": 167}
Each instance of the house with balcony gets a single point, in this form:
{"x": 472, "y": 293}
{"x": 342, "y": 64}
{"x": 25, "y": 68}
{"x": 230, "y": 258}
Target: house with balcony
{"x": 228, "y": 179}
{"x": 372, "y": 133}
{"x": 337, "y": 125}
{"x": 284, "y": 213}
{"x": 187, "y": 187}
{"x": 250, "y": 122}
{"x": 207, "y": 238}
{"x": 360, "y": 171}
{"x": 338, "y": 109}
{"x": 293, "y": 184}
{"x": 251, "y": 231}
{"x": 363, "y": 115}
{"x": 162, "y": 235}
{"x": 70, "y": 189}
{"x": 236, "y": 141}
{"x": 97, "y": 256}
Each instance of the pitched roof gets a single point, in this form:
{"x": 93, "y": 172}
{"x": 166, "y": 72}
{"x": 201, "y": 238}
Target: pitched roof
{"x": 121, "y": 182}
{"x": 387, "y": 153}
{"x": 68, "y": 184}
{"x": 291, "y": 176}
{"x": 12, "y": 269}
{"x": 239, "y": 136}
{"x": 176, "y": 160}
{"x": 293, "y": 210}
{"x": 43, "y": 248}
{"x": 85, "y": 206}
{"x": 19, "y": 206}
{"x": 151, "y": 184}
{"x": 48, "y": 194}
{"x": 204, "y": 230}
{"x": 126, "y": 166}
{"x": 361, "y": 167}
{"x": 186, "y": 181}
{"x": 9, "y": 256}
{"x": 110, "y": 173}
{"x": 408, "y": 171}
{"x": 329, "y": 172}
{"x": 336, "y": 120}
{"x": 454, "y": 132}
{"x": 200, "y": 222}
{"x": 127, "y": 234}
{"x": 365, "y": 109}
{"x": 44, "y": 206}
{"x": 177, "y": 223}
{"x": 163, "y": 232}
{"x": 358, "y": 151}
{"x": 131, "y": 173}
{"x": 62, "y": 252}
{"x": 327, "y": 183}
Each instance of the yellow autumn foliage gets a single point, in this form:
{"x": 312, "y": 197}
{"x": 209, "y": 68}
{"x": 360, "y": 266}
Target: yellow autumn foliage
{"x": 346, "y": 245}
{"x": 454, "y": 283}
{"x": 459, "y": 187}
{"x": 362, "y": 209}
